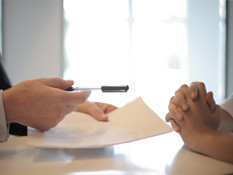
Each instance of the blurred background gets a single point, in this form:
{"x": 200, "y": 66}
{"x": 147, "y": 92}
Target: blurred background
{"x": 154, "y": 46}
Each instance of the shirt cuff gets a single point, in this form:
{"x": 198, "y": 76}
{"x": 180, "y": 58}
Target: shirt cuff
{"x": 228, "y": 105}
{"x": 4, "y": 128}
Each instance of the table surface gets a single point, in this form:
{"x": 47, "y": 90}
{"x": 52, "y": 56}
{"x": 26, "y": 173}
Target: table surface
{"x": 163, "y": 154}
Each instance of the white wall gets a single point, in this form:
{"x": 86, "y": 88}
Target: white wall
{"x": 230, "y": 49}
{"x": 32, "y": 38}
{"x": 206, "y": 45}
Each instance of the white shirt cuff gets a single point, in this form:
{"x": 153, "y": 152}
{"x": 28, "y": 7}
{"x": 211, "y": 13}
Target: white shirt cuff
{"x": 4, "y": 129}
{"x": 228, "y": 105}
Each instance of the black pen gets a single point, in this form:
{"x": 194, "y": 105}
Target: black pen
{"x": 123, "y": 88}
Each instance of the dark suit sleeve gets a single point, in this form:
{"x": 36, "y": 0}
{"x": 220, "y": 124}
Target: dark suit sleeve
{"x": 4, "y": 81}
{"x": 15, "y": 128}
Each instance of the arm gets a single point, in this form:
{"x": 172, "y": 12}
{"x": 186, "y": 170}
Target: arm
{"x": 216, "y": 144}
{"x": 226, "y": 122}
{"x": 41, "y": 103}
{"x": 199, "y": 127}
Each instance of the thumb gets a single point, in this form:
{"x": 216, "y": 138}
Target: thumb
{"x": 175, "y": 126}
{"x": 59, "y": 83}
{"x": 210, "y": 101}
{"x": 216, "y": 116}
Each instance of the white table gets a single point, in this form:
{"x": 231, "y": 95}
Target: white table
{"x": 164, "y": 154}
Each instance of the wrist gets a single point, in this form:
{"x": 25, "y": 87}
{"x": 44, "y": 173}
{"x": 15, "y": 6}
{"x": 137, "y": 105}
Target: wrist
{"x": 203, "y": 141}
{"x": 226, "y": 122}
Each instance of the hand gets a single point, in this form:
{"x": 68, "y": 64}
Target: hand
{"x": 41, "y": 103}
{"x": 96, "y": 109}
{"x": 178, "y": 104}
{"x": 199, "y": 120}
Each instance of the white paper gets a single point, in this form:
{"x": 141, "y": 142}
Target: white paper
{"x": 132, "y": 122}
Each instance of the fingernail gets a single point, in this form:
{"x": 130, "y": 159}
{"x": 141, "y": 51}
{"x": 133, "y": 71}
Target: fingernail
{"x": 184, "y": 107}
{"x": 69, "y": 81}
{"x": 88, "y": 93}
{"x": 193, "y": 95}
{"x": 177, "y": 129}
{"x": 104, "y": 117}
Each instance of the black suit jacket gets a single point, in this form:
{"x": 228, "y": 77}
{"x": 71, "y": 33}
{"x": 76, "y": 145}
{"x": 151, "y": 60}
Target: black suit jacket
{"x": 15, "y": 128}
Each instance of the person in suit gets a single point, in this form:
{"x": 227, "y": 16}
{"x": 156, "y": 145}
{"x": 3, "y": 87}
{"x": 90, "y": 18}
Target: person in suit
{"x": 42, "y": 104}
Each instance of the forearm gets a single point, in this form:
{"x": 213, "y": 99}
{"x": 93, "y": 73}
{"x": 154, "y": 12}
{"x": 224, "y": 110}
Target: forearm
{"x": 218, "y": 145}
{"x": 226, "y": 122}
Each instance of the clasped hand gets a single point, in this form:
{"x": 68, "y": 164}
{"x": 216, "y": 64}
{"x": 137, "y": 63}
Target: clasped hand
{"x": 193, "y": 112}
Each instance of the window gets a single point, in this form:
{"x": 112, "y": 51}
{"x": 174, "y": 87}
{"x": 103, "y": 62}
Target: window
{"x": 154, "y": 46}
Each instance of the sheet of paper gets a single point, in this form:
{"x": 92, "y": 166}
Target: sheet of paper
{"x": 132, "y": 122}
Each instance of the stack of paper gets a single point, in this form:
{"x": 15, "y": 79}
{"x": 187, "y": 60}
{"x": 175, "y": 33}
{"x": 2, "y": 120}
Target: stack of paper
{"x": 132, "y": 122}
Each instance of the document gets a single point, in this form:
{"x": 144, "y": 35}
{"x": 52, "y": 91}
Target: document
{"x": 132, "y": 122}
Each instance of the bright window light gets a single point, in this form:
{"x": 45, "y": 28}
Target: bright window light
{"x": 142, "y": 43}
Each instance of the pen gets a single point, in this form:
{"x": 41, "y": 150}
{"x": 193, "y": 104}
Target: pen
{"x": 123, "y": 88}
